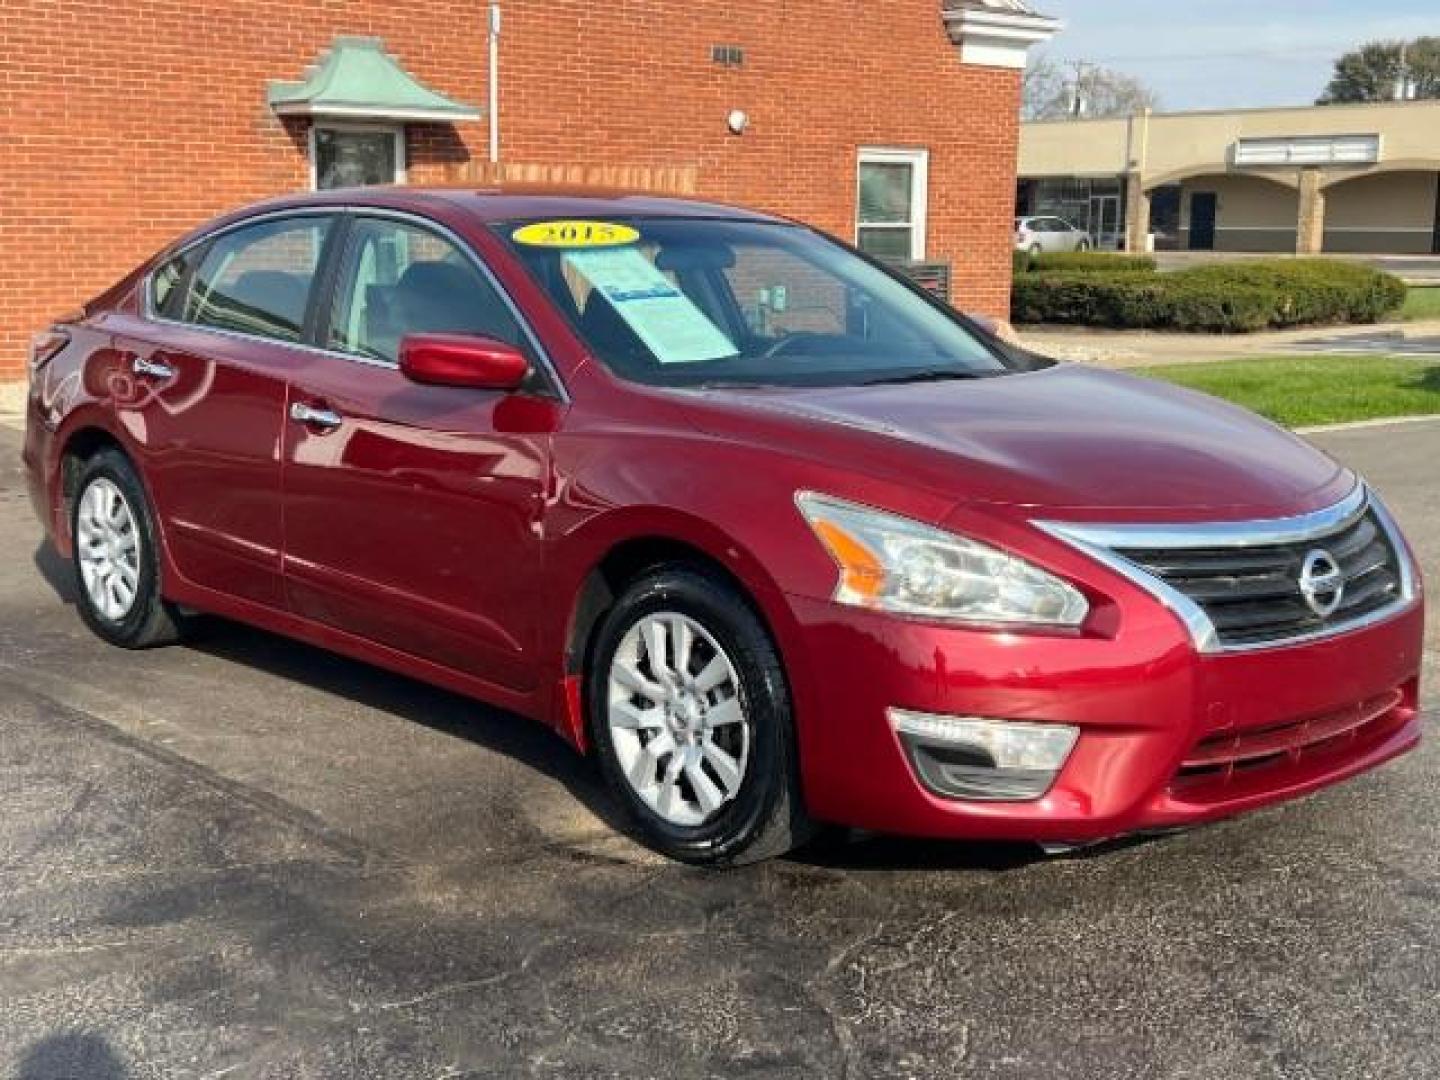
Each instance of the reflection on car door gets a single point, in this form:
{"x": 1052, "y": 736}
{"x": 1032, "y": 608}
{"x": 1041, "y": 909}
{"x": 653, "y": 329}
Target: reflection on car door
{"x": 207, "y": 376}
{"x": 412, "y": 512}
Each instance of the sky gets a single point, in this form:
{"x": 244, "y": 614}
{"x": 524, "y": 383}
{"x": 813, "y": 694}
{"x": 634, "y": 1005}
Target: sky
{"x": 1208, "y": 54}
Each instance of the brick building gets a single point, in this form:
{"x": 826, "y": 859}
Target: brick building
{"x": 893, "y": 123}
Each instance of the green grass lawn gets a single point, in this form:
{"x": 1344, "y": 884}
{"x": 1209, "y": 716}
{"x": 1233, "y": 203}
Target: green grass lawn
{"x": 1422, "y": 303}
{"x": 1302, "y": 390}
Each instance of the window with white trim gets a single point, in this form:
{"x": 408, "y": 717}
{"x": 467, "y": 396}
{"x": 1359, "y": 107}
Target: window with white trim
{"x": 353, "y": 155}
{"x": 893, "y": 191}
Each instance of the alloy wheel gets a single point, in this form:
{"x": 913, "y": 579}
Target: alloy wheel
{"x": 676, "y": 719}
{"x": 108, "y": 543}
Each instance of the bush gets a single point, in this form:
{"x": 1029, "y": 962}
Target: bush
{"x": 1154, "y": 301}
{"x": 1083, "y": 262}
{"x": 1313, "y": 290}
{"x": 1228, "y": 297}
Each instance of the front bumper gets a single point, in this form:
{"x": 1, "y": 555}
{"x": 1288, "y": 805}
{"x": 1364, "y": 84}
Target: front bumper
{"x": 1144, "y": 700}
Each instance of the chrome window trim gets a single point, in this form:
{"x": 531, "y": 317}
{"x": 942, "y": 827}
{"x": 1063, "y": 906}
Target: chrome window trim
{"x": 552, "y": 374}
{"x": 1098, "y": 541}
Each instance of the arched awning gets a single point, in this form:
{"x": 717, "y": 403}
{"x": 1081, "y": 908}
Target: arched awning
{"x": 358, "y": 80}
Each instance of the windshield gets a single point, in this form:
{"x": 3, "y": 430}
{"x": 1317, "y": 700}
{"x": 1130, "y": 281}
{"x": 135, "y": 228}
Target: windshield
{"x": 705, "y": 302}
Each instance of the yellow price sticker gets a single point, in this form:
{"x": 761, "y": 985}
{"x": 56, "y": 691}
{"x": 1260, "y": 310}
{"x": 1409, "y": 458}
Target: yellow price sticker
{"x": 575, "y": 234}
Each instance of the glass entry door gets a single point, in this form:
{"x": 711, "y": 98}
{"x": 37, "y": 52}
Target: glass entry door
{"x": 1104, "y": 223}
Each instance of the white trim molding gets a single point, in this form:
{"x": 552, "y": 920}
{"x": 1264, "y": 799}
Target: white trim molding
{"x": 395, "y": 131}
{"x": 377, "y": 113}
{"x": 996, "y": 33}
{"x": 918, "y": 159}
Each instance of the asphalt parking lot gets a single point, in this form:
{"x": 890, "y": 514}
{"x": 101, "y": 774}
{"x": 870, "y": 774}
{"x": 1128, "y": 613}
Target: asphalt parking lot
{"x": 248, "y": 858}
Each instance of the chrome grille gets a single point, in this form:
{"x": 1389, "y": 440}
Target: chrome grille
{"x": 1252, "y": 594}
{"x": 1238, "y": 584}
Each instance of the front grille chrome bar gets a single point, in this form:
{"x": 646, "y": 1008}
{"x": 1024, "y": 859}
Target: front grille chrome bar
{"x": 1107, "y": 543}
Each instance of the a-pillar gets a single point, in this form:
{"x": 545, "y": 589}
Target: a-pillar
{"x": 1310, "y": 231}
{"x": 1137, "y": 214}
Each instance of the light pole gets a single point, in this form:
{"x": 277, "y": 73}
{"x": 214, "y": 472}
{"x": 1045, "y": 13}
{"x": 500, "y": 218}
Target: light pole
{"x": 494, "y": 102}
{"x": 1405, "y": 86}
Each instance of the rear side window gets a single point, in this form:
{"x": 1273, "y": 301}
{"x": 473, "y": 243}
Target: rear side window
{"x": 166, "y": 284}
{"x": 257, "y": 279}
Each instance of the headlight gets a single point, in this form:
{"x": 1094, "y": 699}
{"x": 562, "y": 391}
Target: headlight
{"x": 891, "y": 563}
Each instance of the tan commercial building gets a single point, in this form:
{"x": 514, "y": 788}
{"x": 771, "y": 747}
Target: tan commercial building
{"x": 1337, "y": 178}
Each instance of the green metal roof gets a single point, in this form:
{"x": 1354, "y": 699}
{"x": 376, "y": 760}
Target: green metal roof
{"x": 358, "y": 79}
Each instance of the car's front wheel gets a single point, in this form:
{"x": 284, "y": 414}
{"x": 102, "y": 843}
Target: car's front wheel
{"x": 115, "y": 558}
{"x": 690, "y": 714}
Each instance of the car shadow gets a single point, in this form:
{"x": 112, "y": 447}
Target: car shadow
{"x": 521, "y": 739}
{"x": 536, "y": 746}
{"x": 57, "y": 573}
{"x": 67, "y": 1054}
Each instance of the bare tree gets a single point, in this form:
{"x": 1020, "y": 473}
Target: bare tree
{"x": 1052, "y": 91}
{"x": 1044, "y": 82}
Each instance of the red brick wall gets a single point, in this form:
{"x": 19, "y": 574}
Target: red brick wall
{"x": 130, "y": 122}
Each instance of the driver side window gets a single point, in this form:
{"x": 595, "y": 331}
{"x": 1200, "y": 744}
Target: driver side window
{"x": 397, "y": 279}
{"x": 780, "y": 294}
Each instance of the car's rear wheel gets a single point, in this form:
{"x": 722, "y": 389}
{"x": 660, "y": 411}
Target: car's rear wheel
{"x": 116, "y": 570}
{"x": 690, "y": 714}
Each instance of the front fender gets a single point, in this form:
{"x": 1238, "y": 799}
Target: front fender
{"x": 731, "y": 502}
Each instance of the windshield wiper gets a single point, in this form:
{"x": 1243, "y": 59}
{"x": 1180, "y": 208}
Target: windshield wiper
{"x": 924, "y": 376}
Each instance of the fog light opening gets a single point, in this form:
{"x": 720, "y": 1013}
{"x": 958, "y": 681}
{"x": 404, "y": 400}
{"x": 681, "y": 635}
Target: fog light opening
{"x": 984, "y": 760}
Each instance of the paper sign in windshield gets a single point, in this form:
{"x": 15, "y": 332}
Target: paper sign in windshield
{"x": 662, "y": 316}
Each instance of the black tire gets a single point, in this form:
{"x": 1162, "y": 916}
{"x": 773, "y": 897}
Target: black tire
{"x": 150, "y": 620}
{"x": 766, "y": 817}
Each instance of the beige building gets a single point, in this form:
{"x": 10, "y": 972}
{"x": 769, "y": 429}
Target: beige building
{"x": 1344, "y": 178}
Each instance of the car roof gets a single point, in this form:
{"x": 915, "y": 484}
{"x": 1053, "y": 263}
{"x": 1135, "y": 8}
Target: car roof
{"x": 507, "y": 202}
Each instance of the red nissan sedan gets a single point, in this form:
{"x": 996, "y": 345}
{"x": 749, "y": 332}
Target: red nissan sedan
{"x": 776, "y": 536}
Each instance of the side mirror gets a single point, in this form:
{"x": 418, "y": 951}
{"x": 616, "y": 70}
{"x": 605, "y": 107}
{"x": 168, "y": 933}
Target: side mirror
{"x": 479, "y": 363}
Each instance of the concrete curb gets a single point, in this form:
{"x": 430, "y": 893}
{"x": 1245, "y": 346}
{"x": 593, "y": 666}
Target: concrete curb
{"x": 1360, "y": 425}
{"x": 1155, "y": 348}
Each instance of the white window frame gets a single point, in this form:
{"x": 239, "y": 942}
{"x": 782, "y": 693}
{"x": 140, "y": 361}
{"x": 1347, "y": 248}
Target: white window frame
{"x": 395, "y": 131}
{"x": 919, "y": 161}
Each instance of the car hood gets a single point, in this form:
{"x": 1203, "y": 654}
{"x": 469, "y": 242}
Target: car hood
{"x": 1065, "y": 438}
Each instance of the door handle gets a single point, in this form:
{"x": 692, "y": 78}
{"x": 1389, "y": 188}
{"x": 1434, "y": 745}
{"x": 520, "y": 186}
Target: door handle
{"x": 302, "y": 413}
{"x": 153, "y": 368}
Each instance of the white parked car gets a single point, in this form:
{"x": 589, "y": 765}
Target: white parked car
{"x": 1041, "y": 234}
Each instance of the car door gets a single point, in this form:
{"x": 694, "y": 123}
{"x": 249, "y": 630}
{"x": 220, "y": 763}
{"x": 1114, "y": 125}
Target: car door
{"x": 412, "y": 512}
{"x": 207, "y": 367}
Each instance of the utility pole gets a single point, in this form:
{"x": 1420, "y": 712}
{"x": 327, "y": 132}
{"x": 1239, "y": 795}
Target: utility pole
{"x": 494, "y": 102}
{"x": 1405, "y": 86}
{"x": 1078, "y": 103}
